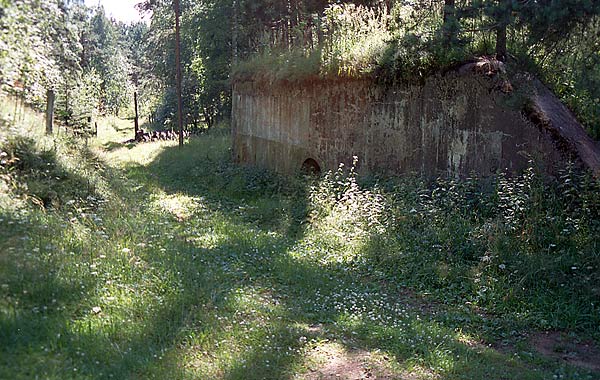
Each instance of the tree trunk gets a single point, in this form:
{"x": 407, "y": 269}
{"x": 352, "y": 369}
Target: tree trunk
{"x": 22, "y": 117}
{"x": 501, "y": 43}
{"x": 234, "y": 33}
{"x": 502, "y": 23}
{"x": 136, "y": 124}
{"x": 67, "y": 118}
{"x": 49, "y": 111}
{"x": 449, "y": 26}
{"x": 14, "y": 119}
{"x": 178, "y": 69}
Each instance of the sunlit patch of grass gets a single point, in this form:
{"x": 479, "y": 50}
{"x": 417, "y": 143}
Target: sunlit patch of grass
{"x": 179, "y": 205}
{"x": 112, "y": 130}
{"x": 139, "y": 154}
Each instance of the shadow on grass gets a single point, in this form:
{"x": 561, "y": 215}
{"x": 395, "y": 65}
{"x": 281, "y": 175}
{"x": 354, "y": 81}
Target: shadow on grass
{"x": 227, "y": 265}
{"x": 298, "y": 283}
{"x": 37, "y": 302}
{"x": 113, "y": 145}
{"x": 45, "y": 180}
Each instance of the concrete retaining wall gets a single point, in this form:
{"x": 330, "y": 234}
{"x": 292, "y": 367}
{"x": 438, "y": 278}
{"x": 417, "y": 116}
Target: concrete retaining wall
{"x": 454, "y": 124}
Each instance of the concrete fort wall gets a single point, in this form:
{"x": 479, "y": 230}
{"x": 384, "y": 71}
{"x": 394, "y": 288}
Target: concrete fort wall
{"x": 454, "y": 125}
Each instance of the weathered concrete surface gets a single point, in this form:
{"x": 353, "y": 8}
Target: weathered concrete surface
{"x": 454, "y": 124}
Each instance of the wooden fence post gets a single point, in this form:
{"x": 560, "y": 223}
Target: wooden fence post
{"x": 49, "y": 111}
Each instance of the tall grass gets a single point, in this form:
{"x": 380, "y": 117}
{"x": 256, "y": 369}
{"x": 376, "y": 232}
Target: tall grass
{"x": 525, "y": 248}
{"x": 348, "y": 41}
{"x": 153, "y": 261}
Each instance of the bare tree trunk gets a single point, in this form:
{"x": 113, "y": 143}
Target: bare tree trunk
{"x": 234, "y": 33}
{"x": 49, "y": 111}
{"x": 501, "y": 43}
{"x": 449, "y": 26}
{"x": 136, "y": 121}
{"x": 66, "y": 106}
{"x": 16, "y": 109}
{"x": 178, "y": 63}
{"x": 22, "y": 117}
{"x": 502, "y": 22}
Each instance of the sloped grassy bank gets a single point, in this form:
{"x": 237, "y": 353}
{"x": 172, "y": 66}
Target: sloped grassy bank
{"x": 151, "y": 261}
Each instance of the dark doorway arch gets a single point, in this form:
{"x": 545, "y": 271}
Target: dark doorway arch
{"x": 310, "y": 166}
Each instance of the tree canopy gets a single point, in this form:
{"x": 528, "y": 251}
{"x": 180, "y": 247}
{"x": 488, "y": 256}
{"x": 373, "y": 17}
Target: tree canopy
{"x": 98, "y": 62}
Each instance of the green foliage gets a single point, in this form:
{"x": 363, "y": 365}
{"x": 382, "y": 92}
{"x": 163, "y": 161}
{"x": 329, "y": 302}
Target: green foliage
{"x": 356, "y": 39}
{"x": 69, "y": 48}
{"x": 346, "y": 41}
{"x": 572, "y": 68}
{"x": 105, "y": 54}
{"x": 177, "y": 263}
{"x": 351, "y": 212}
{"x": 78, "y": 101}
{"x": 30, "y": 43}
{"x": 523, "y": 247}
{"x": 210, "y": 27}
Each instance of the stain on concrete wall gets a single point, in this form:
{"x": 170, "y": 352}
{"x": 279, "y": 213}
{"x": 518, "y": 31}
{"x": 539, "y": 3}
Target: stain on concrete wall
{"x": 450, "y": 125}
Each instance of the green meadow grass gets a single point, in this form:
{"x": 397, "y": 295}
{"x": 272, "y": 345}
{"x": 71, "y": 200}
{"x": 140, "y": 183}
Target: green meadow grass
{"x": 151, "y": 261}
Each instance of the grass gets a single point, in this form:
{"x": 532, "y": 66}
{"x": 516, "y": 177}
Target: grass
{"x": 151, "y": 262}
{"x": 354, "y": 41}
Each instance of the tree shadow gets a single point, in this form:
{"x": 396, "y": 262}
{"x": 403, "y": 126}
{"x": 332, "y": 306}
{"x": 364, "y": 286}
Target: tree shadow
{"x": 37, "y": 301}
{"x": 247, "y": 238}
{"x": 46, "y": 181}
{"x": 113, "y": 145}
{"x": 299, "y": 282}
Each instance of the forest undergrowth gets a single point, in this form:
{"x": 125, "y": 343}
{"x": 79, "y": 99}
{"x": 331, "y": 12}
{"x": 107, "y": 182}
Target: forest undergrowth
{"x": 152, "y": 261}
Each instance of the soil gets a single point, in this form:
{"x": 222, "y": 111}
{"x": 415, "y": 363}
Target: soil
{"x": 558, "y": 346}
{"x": 331, "y": 361}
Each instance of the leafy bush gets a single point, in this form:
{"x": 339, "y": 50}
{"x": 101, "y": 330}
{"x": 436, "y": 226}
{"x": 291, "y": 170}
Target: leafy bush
{"x": 524, "y": 247}
{"x": 341, "y": 206}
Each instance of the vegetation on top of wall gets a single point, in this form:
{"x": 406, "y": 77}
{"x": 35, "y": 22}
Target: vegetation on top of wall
{"x": 409, "y": 42}
{"x": 348, "y": 41}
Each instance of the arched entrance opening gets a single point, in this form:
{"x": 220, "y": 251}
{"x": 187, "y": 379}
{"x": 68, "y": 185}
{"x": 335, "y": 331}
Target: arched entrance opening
{"x": 311, "y": 167}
